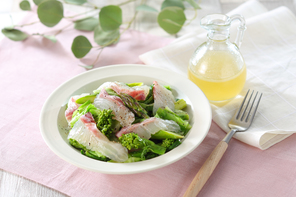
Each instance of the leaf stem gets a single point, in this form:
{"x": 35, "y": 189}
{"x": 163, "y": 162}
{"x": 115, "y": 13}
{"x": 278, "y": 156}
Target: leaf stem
{"x": 70, "y": 17}
{"x": 194, "y": 17}
{"x": 82, "y": 5}
{"x": 27, "y": 24}
{"x": 126, "y": 2}
{"x": 62, "y": 29}
{"x": 98, "y": 56}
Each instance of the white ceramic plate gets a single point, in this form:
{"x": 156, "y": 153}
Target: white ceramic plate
{"x": 53, "y": 124}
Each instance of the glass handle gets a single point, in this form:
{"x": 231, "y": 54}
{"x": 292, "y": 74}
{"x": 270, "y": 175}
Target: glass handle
{"x": 241, "y": 29}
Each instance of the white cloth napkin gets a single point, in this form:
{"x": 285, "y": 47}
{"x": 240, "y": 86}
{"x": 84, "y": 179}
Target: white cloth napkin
{"x": 269, "y": 50}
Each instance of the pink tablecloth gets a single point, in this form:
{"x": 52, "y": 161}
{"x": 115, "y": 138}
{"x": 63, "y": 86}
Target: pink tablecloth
{"x": 31, "y": 70}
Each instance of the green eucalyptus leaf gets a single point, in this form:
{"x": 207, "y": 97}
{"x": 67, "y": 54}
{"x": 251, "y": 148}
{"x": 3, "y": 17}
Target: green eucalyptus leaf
{"x": 37, "y": 2}
{"x": 106, "y": 38}
{"x": 193, "y": 4}
{"x": 80, "y": 46}
{"x": 50, "y": 12}
{"x": 171, "y": 3}
{"x": 145, "y": 7}
{"x": 76, "y": 2}
{"x": 51, "y": 38}
{"x": 86, "y": 24}
{"x": 110, "y": 17}
{"x": 25, "y": 5}
{"x": 14, "y": 34}
{"x": 171, "y": 19}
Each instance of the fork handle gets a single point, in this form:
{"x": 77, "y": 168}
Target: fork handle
{"x": 206, "y": 170}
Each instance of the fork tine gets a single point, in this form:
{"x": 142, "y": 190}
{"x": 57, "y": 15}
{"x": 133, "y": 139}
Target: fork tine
{"x": 242, "y": 117}
{"x": 256, "y": 107}
{"x": 241, "y": 106}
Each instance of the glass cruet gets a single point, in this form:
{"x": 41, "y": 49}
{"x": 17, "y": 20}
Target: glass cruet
{"x": 217, "y": 66}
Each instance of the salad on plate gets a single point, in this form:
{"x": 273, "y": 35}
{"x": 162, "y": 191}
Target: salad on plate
{"x": 123, "y": 123}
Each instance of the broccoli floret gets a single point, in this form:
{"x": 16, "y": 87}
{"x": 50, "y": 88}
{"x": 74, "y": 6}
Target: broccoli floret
{"x": 170, "y": 144}
{"x": 104, "y": 120}
{"x": 144, "y": 146}
{"x": 167, "y": 143}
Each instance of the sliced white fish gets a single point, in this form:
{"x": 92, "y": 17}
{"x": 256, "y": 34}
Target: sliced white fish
{"x": 120, "y": 111}
{"x": 150, "y": 126}
{"x": 86, "y": 133}
{"x": 162, "y": 98}
{"x": 138, "y": 92}
{"x": 72, "y": 106}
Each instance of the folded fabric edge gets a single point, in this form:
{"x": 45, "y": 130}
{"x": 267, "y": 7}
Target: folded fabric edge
{"x": 269, "y": 139}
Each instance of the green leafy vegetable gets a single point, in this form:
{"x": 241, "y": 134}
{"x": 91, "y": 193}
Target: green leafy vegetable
{"x": 83, "y": 109}
{"x": 180, "y": 104}
{"x": 161, "y": 135}
{"x": 92, "y": 154}
{"x": 167, "y": 114}
{"x": 133, "y": 141}
{"x": 182, "y": 114}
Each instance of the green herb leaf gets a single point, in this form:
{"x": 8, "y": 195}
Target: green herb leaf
{"x": 106, "y": 38}
{"x": 86, "y": 24}
{"x": 14, "y": 34}
{"x": 145, "y": 7}
{"x": 37, "y": 2}
{"x": 76, "y": 2}
{"x": 110, "y": 17}
{"x": 171, "y": 19}
{"x": 51, "y": 38}
{"x": 193, "y": 4}
{"x": 171, "y": 3}
{"x": 25, "y": 5}
{"x": 80, "y": 46}
{"x": 50, "y": 12}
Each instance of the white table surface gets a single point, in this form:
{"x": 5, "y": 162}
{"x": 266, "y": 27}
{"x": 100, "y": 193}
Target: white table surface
{"x": 16, "y": 186}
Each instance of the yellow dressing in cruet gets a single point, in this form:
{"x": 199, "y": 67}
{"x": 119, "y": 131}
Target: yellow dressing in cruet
{"x": 217, "y": 66}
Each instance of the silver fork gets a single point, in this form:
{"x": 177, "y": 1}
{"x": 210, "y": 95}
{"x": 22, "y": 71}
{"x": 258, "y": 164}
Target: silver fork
{"x": 241, "y": 121}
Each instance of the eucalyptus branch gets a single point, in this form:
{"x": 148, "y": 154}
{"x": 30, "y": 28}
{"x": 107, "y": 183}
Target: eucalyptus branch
{"x": 101, "y": 50}
{"x": 83, "y": 5}
{"x": 126, "y": 2}
{"x": 70, "y": 17}
{"x": 192, "y": 19}
{"x": 107, "y": 28}
{"x": 27, "y": 24}
{"x": 62, "y": 29}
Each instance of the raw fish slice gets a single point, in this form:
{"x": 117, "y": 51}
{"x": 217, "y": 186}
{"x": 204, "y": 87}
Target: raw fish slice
{"x": 150, "y": 126}
{"x": 162, "y": 98}
{"x": 138, "y": 92}
{"x": 120, "y": 111}
{"x": 72, "y": 106}
{"x": 86, "y": 133}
